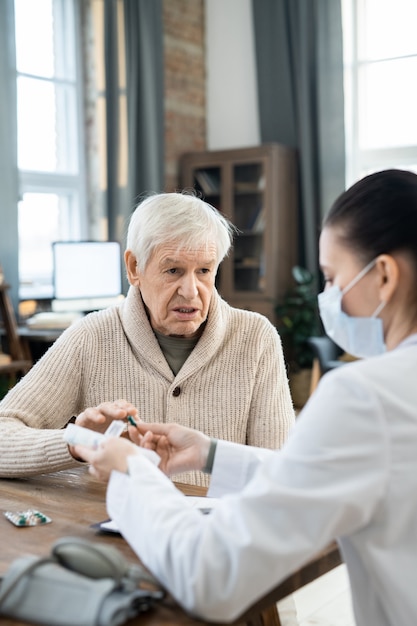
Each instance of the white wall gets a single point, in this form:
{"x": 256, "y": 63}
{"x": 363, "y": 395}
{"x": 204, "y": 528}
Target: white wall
{"x": 232, "y": 108}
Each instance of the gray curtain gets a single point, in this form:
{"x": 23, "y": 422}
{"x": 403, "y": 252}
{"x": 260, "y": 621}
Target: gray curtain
{"x": 8, "y": 151}
{"x": 299, "y": 57}
{"x": 145, "y": 109}
{"x": 145, "y": 94}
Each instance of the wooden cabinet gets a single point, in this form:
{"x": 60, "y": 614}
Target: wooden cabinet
{"x": 256, "y": 188}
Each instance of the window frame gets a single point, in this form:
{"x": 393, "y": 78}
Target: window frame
{"x": 360, "y": 161}
{"x": 70, "y": 185}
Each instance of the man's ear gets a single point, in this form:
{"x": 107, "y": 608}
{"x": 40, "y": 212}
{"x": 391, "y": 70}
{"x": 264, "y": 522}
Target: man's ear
{"x": 132, "y": 268}
{"x": 388, "y": 271}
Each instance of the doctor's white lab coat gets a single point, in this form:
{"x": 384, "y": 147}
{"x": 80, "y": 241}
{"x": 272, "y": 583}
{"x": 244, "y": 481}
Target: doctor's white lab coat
{"x": 348, "y": 471}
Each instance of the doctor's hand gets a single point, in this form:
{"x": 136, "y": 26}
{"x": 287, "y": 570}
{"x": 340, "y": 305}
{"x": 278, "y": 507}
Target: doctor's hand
{"x": 181, "y": 449}
{"x": 110, "y": 455}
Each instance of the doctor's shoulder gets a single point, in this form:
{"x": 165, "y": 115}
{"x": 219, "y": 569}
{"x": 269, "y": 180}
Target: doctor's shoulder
{"x": 369, "y": 377}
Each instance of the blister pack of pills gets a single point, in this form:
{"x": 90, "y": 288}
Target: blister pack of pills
{"x": 31, "y": 517}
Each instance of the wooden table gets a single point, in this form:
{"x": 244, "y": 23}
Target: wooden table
{"x": 74, "y": 501}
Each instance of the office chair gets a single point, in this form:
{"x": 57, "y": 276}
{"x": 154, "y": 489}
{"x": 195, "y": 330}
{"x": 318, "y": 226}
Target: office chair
{"x": 326, "y": 357}
{"x": 20, "y": 361}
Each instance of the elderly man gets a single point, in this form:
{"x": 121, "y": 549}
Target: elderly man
{"x": 173, "y": 351}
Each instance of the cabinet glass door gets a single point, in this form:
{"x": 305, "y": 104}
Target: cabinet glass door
{"x": 249, "y": 217}
{"x": 208, "y": 181}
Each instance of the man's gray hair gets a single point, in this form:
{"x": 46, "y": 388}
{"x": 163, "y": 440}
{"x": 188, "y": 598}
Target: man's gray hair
{"x": 180, "y": 218}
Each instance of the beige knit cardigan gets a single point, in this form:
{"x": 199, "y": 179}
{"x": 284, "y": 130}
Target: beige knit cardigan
{"x": 233, "y": 385}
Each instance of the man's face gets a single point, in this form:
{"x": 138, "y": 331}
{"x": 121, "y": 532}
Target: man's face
{"x": 176, "y": 287}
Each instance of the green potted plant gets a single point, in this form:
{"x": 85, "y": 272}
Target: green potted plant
{"x": 297, "y": 320}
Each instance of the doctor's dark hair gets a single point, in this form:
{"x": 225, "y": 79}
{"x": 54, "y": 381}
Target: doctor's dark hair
{"x": 378, "y": 214}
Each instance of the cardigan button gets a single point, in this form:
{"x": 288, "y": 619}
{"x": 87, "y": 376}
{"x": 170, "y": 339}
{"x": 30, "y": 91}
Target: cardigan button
{"x": 176, "y": 392}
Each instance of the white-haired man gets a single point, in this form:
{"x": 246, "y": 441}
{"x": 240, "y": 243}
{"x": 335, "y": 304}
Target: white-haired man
{"x": 172, "y": 351}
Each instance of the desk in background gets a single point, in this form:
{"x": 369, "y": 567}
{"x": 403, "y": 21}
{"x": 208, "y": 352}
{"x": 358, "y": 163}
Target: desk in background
{"x": 45, "y": 335}
{"x": 35, "y": 342}
{"x": 74, "y": 500}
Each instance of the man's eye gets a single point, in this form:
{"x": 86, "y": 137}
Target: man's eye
{"x": 172, "y": 270}
{"x": 204, "y": 270}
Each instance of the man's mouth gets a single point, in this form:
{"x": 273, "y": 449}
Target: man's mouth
{"x": 185, "y": 309}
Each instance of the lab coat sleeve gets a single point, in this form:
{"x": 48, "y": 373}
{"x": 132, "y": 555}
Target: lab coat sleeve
{"x": 327, "y": 481}
{"x": 234, "y": 465}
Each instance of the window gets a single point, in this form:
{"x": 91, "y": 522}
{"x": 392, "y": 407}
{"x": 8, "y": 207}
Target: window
{"x": 380, "y": 47}
{"x": 49, "y": 137}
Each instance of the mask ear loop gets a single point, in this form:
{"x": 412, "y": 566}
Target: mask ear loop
{"x": 358, "y": 276}
{"x": 378, "y": 309}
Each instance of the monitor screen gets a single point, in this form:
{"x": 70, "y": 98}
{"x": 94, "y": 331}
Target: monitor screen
{"x": 86, "y": 269}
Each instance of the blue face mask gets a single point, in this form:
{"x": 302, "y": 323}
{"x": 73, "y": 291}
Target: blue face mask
{"x": 359, "y": 336}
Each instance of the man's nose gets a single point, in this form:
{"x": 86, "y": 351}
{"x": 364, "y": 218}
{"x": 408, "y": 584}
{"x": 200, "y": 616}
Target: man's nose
{"x": 188, "y": 287}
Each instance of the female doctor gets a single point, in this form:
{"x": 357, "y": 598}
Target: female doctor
{"x": 349, "y": 469}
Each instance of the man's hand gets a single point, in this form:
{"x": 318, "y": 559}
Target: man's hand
{"x": 98, "y": 418}
{"x": 110, "y": 455}
{"x": 181, "y": 449}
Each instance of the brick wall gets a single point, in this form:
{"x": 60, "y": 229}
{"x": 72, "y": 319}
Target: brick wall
{"x": 185, "y": 97}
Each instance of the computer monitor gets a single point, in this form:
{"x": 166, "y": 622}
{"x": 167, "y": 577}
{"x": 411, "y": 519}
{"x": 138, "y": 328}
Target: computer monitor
{"x": 87, "y": 275}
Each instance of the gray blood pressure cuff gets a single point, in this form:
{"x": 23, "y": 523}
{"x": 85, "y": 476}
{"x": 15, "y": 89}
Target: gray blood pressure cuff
{"x": 80, "y": 582}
